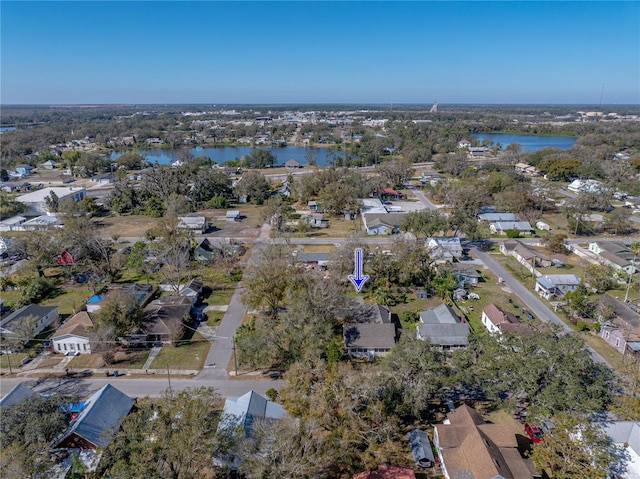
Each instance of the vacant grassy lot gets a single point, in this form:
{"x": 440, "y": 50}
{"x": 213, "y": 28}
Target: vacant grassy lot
{"x": 125, "y": 226}
{"x": 187, "y": 356}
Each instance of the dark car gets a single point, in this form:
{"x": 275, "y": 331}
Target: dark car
{"x": 534, "y": 433}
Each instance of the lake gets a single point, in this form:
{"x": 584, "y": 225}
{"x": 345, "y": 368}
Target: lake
{"x": 527, "y": 142}
{"x": 221, "y": 154}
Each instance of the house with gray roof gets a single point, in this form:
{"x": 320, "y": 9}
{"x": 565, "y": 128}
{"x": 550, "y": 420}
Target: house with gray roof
{"x": 622, "y": 331}
{"x": 382, "y": 223}
{"x": 369, "y": 340}
{"x": 551, "y": 285}
{"x": 313, "y": 260}
{"x": 17, "y": 394}
{"x": 421, "y": 448}
{"x": 626, "y": 435}
{"x": 501, "y": 227}
{"x": 493, "y": 217}
{"x": 99, "y": 419}
{"x": 239, "y": 417}
{"x": 443, "y": 328}
{"x": 39, "y": 316}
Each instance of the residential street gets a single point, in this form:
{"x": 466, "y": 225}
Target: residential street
{"x": 530, "y": 300}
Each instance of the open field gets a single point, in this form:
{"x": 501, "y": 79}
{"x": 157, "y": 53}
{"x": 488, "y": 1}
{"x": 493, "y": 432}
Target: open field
{"x": 125, "y": 226}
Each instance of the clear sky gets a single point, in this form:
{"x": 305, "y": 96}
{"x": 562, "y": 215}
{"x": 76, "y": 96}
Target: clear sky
{"x": 304, "y": 52}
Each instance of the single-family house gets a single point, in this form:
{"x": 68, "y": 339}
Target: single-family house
{"x": 614, "y": 254}
{"x": 192, "y": 290}
{"x": 391, "y": 194}
{"x": 165, "y": 319}
{"x": 494, "y": 217}
{"x": 239, "y": 416}
{"x": 12, "y": 224}
{"x": 443, "y": 328}
{"x": 313, "y": 260}
{"x": 526, "y": 256}
{"x": 385, "y": 471}
{"x": 498, "y": 321}
{"x": 30, "y": 319}
{"x": 501, "y": 227}
{"x": 193, "y": 222}
{"x": 542, "y": 226}
{"x": 205, "y": 251}
{"x": 370, "y": 331}
{"x": 464, "y": 144}
{"x": 313, "y": 205}
{"x": 587, "y": 186}
{"x": 551, "y": 285}
{"x": 36, "y": 201}
{"x": 23, "y": 170}
{"x": 72, "y": 336}
{"x": 284, "y": 189}
{"x": 316, "y": 220}
{"x": 292, "y": 164}
{"x": 43, "y": 222}
{"x": 421, "y": 448}
{"x": 626, "y": 436}
{"x": 48, "y": 165}
{"x": 526, "y": 169}
{"x": 468, "y": 447}
{"x": 622, "y": 330}
{"x": 232, "y": 215}
{"x": 18, "y": 393}
{"x": 444, "y": 248}
{"x": 466, "y": 274}
{"x": 369, "y": 340}
{"x": 478, "y": 151}
{"x": 382, "y": 223}
{"x": 98, "y": 421}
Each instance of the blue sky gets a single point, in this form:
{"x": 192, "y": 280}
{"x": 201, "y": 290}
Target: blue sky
{"x": 303, "y": 52}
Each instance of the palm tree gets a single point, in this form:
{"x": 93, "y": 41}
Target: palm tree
{"x": 635, "y": 249}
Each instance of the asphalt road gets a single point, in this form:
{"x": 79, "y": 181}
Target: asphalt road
{"x": 530, "y": 300}
{"x": 140, "y": 387}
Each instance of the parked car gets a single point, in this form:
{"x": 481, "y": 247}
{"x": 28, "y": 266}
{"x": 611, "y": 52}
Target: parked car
{"x": 546, "y": 425}
{"x": 534, "y": 433}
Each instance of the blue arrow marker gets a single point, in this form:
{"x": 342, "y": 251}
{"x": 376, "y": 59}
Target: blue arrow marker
{"x": 358, "y": 279}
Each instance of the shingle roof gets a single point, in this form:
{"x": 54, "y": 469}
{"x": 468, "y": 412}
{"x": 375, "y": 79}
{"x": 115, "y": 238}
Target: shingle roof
{"x": 441, "y": 314}
{"x": 369, "y": 336}
{"x": 474, "y": 449}
{"x": 77, "y": 325}
{"x": 101, "y": 415}
{"x": 312, "y": 257}
{"x": 445, "y": 334}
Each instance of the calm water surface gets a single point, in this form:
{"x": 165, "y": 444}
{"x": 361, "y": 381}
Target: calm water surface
{"x": 527, "y": 142}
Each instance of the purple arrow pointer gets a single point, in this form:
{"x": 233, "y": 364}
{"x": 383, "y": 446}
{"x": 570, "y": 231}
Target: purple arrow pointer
{"x": 358, "y": 279}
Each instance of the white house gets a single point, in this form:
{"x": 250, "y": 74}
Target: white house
{"x": 551, "y": 285}
{"x": 193, "y": 223}
{"x": 382, "y": 223}
{"x": 42, "y": 222}
{"x": 501, "y": 227}
{"x": 498, "y": 321}
{"x": 13, "y": 223}
{"x": 72, "y": 335}
{"x": 587, "y": 186}
{"x": 369, "y": 340}
{"x": 232, "y": 215}
{"x": 542, "y": 226}
{"x": 444, "y": 248}
{"x": 42, "y": 316}
{"x": 36, "y": 200}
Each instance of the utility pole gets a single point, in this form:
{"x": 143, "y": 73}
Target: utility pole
{"x": 169, "y": 377}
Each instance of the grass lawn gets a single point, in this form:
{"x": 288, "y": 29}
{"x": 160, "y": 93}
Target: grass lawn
{"x": 86, "y": 361}
{"x": 12, "y": 359}
{"x": 214, "y": 318}
{"x": 219, "y": 296}
{"x": 68, "y": 299}
{"x": 318, "y": 248}
{"x": 51, "y": 361}
{"x": 187, "y": 356}
{"x": 125, "y": 226}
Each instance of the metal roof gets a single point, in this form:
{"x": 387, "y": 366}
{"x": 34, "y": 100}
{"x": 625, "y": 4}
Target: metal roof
{"x": 17, "y": 394}
{"x": 101, "y": 415}
{"x": 243, "y": 410}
